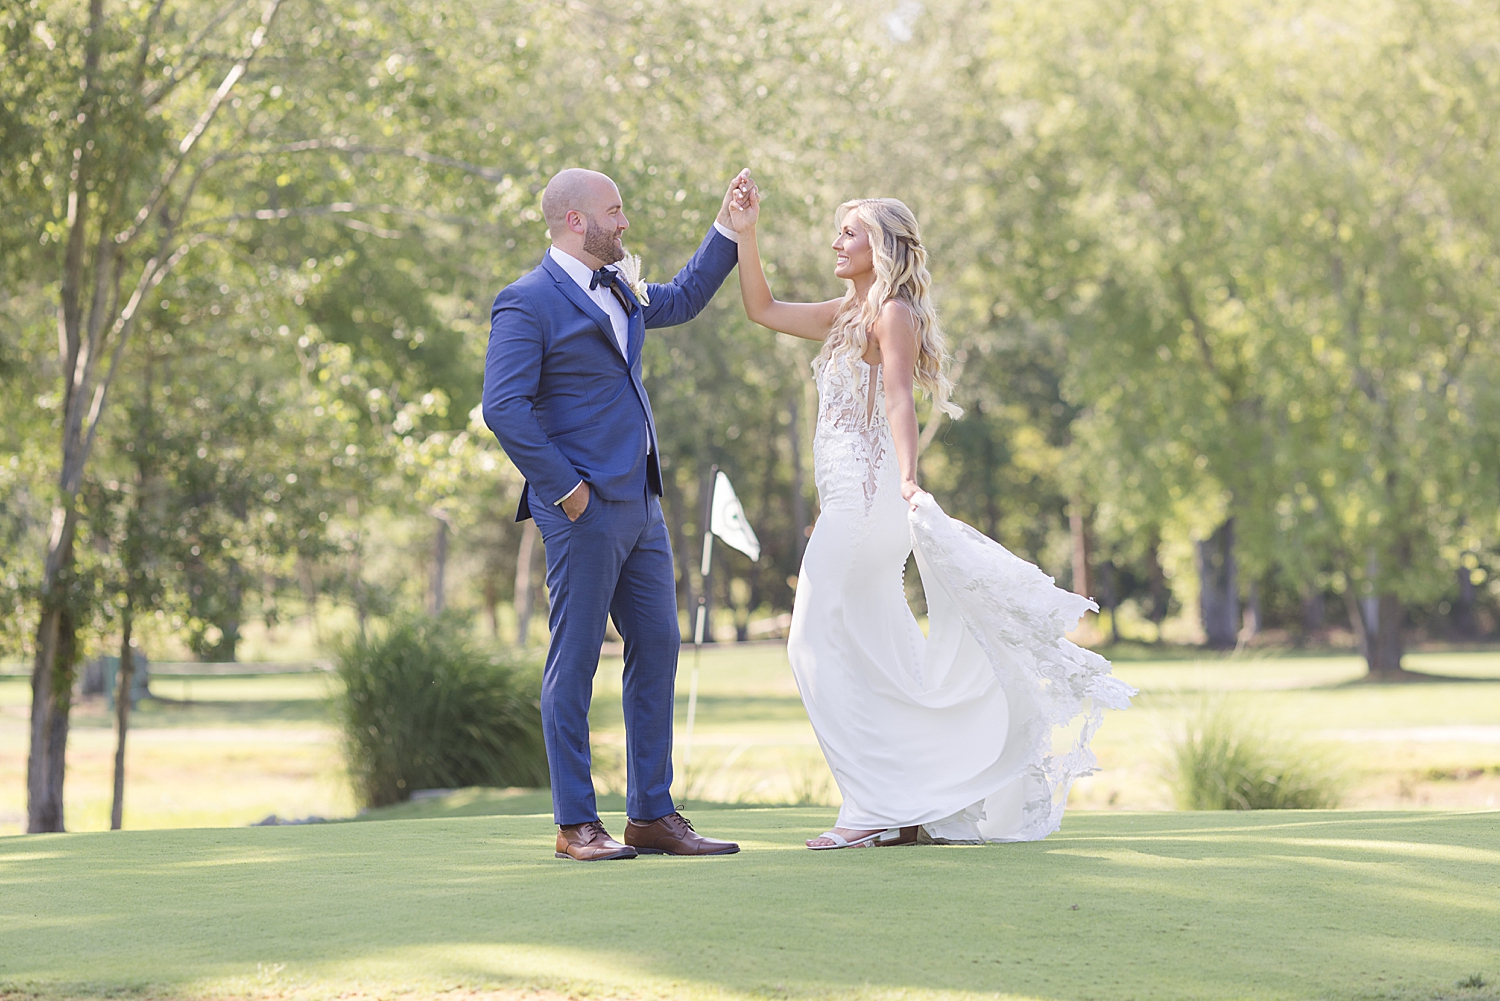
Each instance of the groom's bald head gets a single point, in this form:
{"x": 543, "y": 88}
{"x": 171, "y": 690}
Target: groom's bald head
{"x": 585, "y": 216}
{"x": 576, "y": 190}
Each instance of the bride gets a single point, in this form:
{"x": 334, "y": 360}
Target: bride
{"x": 947, "y": 737}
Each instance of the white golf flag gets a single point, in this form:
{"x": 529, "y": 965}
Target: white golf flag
{"x": 728, "y": 520}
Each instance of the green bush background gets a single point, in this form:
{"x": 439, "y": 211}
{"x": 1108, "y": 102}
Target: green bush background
{"x": 1226, "y": 760}
{"x": 421, "y": 708}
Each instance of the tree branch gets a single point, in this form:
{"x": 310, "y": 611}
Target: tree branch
{"x": 188, "y": 141}
{"x": 335, "y": 208}
{"x": 144, "y": 52}
{"x": 346, "y": 145}
{"x": 1200, "y": 333}
{"x": 151, "y": 276}
{"x": 167, "y": 86}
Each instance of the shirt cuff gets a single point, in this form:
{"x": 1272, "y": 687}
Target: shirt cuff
{"x": 726, "y": 232}
{"x": 565, "y": 496}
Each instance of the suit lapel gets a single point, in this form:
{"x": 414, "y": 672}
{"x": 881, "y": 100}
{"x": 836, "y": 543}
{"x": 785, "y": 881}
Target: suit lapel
{"x": 635, "y": 326}
{"x": 576, "y": 295}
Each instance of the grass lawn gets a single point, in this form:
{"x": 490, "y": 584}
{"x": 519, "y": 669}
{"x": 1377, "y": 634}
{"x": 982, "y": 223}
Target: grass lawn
{"x": 222, "y": 751}
{"x": 1317, "y": 905}
{"x": 229, "y": 751}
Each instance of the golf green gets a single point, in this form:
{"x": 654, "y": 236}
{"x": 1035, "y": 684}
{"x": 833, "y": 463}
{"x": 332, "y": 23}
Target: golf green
{"x": 1316, "y": 905}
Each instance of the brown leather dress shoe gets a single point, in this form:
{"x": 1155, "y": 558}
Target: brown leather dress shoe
{"x": 673, "y": 835}
{"x": 590, "y": 842}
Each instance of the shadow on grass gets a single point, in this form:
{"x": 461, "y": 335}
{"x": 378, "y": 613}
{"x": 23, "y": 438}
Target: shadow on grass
{"x": 1404, "y": 677}
{"x": 482, "y": 802}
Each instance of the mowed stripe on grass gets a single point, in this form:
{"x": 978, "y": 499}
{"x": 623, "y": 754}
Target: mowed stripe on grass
{"x": 1201, "y": 906}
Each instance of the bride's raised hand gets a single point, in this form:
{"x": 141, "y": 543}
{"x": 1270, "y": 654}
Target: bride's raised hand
{"x": 739, "y": 181}
{"x": 744, "y": 207}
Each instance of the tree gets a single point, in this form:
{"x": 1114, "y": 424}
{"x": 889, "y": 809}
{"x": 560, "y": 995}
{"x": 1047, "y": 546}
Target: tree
{"x": 1259, "y": 274}
{"x": 127, "y": 176}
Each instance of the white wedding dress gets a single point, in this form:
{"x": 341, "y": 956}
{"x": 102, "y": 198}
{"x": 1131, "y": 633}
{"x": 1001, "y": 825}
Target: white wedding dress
{"x": 953, "y": 730}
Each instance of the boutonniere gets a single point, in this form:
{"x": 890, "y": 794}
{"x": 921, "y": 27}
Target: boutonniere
{"x": 629, "y": 267}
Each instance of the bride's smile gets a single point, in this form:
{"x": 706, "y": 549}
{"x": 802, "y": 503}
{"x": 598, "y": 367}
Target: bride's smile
{"x": 854, "y": 255}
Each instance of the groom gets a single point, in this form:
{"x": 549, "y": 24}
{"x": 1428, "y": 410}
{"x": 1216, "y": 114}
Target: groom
{"x": 563, "y": 394}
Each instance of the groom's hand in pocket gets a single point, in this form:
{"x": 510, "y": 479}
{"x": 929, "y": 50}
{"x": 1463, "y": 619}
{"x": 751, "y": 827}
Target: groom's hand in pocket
{"x": 577, "y": 502}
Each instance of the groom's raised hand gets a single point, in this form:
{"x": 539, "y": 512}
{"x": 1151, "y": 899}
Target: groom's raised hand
{"x": 741, "y": 180}
{"x": 744, "y": 207}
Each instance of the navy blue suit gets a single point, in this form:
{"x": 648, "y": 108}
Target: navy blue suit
{"x": 566, "y": 406}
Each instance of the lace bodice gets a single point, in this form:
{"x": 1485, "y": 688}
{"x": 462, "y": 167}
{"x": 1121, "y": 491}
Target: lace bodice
{"x": 853, "y": 456}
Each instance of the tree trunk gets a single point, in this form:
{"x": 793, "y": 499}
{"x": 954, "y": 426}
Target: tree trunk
{"x": 1384, "y": 637}
{"x": 51, "y": 702}
{"x": 1161, "y": 597}
{"x": 1464, "y": 626}
{"x": 309, "y": 588}
{"x": 525, "y": 596}
{"x": 741, "y": 611}
{"x": 1083, "y": 582}
{"x": 124, "y": 688}
{"x": 229, "y": 641}
{"x": 1357, "y": 611}
{"x": 1219, "y": 596}
{"x": 437, "y": 585}
{"x": 491, "y": 600}
{"x": 1109, "y": 579}
{"x": 1252, "y": 624}
{"x": 1312, "y": 610}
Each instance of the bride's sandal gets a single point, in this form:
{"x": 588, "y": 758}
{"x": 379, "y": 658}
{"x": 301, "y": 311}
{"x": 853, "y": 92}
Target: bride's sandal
{"x": 839, "y": 841}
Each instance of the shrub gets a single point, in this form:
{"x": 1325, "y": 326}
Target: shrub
{"x": 422, "y": 709}
{"x": 1225, "y": 761}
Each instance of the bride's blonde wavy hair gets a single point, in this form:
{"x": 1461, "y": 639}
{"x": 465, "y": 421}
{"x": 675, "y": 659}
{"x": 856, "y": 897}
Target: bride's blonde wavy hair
{"x": 900, "y": 274}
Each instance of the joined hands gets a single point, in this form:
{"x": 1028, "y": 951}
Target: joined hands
{"x": 736, "y": 188}
{"x": 743, "y": 203}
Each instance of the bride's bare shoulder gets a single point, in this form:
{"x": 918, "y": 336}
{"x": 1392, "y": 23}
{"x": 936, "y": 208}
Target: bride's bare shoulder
{"x": 898, "y": 312}
{"x": 896, "y": 318}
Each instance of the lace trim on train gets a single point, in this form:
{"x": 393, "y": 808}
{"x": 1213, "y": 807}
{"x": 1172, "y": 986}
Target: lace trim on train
{"x": 847, "y": 406}
{"x": 1019, "y": 618}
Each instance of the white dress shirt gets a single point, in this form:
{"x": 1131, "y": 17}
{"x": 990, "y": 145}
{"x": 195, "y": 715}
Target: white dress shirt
{"x": 602, "y": 296}
{"x": 605, "y": 300}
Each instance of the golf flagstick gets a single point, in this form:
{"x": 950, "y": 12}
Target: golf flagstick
{"x": 722, "y": 516}
{"x": 692, "y": 713}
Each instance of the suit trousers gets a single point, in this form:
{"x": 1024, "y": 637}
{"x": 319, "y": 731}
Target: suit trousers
{"x": 615, "y": 560}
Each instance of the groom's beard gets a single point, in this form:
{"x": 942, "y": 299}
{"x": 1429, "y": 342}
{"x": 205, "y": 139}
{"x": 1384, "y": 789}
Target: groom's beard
{"x": 602, "y": 243}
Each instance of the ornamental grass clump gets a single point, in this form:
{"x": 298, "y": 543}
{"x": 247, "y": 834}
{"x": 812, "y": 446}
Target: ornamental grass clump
{"x": 1225, "y": 760}
{"x": 421, "y": 708}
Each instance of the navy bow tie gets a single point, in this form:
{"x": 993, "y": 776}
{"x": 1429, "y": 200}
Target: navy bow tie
{"x": 610, "y": 279}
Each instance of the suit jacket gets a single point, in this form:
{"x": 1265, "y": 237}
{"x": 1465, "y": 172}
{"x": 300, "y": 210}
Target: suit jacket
{"x": 564, "y": 402}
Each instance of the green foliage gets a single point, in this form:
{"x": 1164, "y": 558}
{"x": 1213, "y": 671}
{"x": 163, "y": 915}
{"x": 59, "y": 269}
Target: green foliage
{"x": 1183, "y": 276}
{"x": 1222, "y": 761}
{"x": 1279, "y": 295}
{"x": 422, "y": 709}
